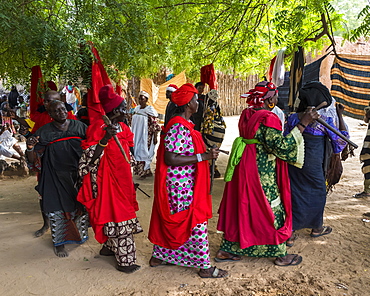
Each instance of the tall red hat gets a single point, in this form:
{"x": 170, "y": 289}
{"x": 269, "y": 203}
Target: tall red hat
{"x": 109, "y": 99}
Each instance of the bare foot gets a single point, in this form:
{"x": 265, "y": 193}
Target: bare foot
{"x": 41, "y": 231}
{"x": 288, "y": 260}
{"x": 128, "y": 269}
{"x": 213, "y": 272}
{"x": 60, "y": 251}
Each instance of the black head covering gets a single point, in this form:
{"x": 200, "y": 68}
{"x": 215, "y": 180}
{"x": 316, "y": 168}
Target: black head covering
{"x": 313, "y": 93}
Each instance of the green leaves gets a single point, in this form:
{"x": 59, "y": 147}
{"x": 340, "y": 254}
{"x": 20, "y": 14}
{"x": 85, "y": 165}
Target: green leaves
{"x": 141, "y": 37}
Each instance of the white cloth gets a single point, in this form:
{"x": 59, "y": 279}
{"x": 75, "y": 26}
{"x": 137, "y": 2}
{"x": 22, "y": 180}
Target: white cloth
{"x": 280, "y": 114}
{"x": 331, "y": 111}
{"x": 6, "y": 143}
{"x": 279, "y": 69}
{"x": 7, "y": 139}
{"x": 70, "y": 96}
{"x": 139, "y": 127}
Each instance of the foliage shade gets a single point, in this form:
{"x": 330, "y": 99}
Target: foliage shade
{"x": 141, "y": 37}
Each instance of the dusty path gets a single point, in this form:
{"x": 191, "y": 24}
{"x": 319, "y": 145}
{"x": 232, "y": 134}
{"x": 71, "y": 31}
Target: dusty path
{"x": 338, "y": 264}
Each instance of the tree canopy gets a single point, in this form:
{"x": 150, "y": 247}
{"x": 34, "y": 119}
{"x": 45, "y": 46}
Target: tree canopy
{"x": 142, "y": 36}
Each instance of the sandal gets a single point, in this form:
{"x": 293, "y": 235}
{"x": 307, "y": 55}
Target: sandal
{"x": 214, "y": 272}
{"x": 161, "y": 263}
{"x": 297, "y": 259}
{"x": 229, "y": 259}
{"x": 128, "y": 269}
{"x": 361, "y": 195}
{"x": 325, "y": 230}
{"x": 106, "y": 252}
{"x": 292, "y": 239}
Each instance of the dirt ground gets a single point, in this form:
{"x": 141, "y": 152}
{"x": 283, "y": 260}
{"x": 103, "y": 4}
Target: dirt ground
{"x": 337, "y": 264}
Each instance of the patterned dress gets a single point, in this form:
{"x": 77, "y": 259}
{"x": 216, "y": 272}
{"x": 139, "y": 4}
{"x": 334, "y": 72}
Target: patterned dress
{"x": 109, "y": 188}
{"x": 180, "y": 186}
{"x": 272, "y": 145}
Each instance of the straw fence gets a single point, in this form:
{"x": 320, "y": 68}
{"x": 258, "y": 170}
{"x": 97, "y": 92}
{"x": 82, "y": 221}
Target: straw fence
{"x": 229, "y": 89}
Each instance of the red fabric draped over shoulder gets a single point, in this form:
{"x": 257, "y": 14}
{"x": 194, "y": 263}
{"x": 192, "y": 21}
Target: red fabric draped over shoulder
{"x": 172, "y": 231}
{"x": 116, "y": 198}
{"x": 42, "y": 118}
{"x": 245, "y": 214}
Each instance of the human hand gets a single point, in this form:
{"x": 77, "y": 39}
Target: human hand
{"x": 110, "y": 131}
{"x": 12, "y": 114}
{"x": 31, "y": 142}
{"x": 340, "y": 108}
{"x": 309, "y": 116}
{"x": 211, "y": 154}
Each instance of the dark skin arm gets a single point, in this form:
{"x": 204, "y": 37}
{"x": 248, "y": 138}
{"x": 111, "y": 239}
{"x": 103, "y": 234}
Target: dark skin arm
{"x": 307, "y": 117}
{"x": 340, "y": 109}
{"x": 110, "y": 131}
{"x": 175, "y": 159}
{"x": 155, "y": 138}
{"x": 20, "y": 120}
{"x": 30, "y": 143}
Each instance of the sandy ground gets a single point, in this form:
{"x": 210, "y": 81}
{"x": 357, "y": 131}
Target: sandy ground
{"x": 337, "y": 264}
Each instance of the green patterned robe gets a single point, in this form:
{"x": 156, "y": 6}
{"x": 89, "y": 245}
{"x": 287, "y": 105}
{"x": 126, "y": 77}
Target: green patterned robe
{"x": 272, "y": 144}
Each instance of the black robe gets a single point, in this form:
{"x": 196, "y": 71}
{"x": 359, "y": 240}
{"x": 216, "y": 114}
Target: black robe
{"x": 61, "y": 151}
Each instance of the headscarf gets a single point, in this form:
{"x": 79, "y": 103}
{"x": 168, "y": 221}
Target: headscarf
{"x": 213, "y": 95}
{"x": 262, "y": 91}
{"x": 184, "y": 94}
{"x": 109, "y": 99}
{"x": 144, "y": 93}
{"x": 172, "y": 88}
{"x": 313, "y": 93}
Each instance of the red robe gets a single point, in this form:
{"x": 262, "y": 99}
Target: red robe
{"x": 173, "y": 230}
{"x": 245, "y": 214}
{"x": 116, "y": 196}
{"x": 42, "y": 118}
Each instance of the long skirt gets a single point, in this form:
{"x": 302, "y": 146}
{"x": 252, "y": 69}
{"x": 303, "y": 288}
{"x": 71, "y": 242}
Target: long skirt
{"x": 308, "y": 185}
{"x": 68, "y": 228}
{"x": 260, "y": 250}
{"x": 194, "y": 253}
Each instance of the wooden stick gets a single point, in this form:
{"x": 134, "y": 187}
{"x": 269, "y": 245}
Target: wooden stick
{"x": 339, "y": 134}
{"x": 213, "y": 166}
{"x": 224, "y": 151}
{"x": 137, "y": 187}
{"x": 108, "y": 122}
{"x": 320, "y": 120}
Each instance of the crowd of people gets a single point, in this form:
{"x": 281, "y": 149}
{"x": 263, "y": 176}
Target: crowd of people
{"x": 275, "y": 177}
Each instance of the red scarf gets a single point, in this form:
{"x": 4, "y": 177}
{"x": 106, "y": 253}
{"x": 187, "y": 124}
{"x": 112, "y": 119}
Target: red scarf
{"x": 245, "y": 214}
{"x": 173, "y": 230}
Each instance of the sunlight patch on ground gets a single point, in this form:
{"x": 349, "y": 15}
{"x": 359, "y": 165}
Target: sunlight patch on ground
{"x": 317, "y": 242}
{"x": 337, "y": 217}
{"x": 9, "y": 213}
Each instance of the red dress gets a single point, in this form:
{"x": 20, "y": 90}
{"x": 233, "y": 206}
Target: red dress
{"x": 114, "y": 198}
